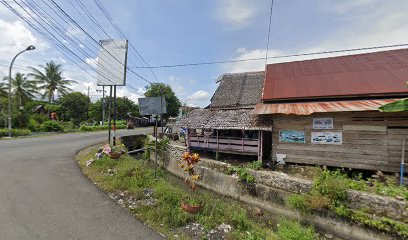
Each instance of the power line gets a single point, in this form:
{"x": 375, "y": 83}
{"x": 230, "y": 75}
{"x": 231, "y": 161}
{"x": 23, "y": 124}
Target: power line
{"x": 76, "y": 24}
{"x": 274, "y": 57}
{"x": 110, "y": 20}
{"x": 269, "y": 33}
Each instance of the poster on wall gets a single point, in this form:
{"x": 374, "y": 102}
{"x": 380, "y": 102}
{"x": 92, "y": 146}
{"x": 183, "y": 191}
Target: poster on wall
{"x": 323, "y": 123}
{"x": 327, "y": 138}
{"x": 291, "y": 136}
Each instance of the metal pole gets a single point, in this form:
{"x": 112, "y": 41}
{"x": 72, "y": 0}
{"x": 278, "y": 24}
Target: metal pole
{"x": 103, "y": 105}
{"x": 114, "y": 115}
{"x": 9, "y": 93}
{"x": 161, "y": 110}
{"x": 109, "y": 112}
{"x": 402, "y": 163}
{"x": 155, "y": 167}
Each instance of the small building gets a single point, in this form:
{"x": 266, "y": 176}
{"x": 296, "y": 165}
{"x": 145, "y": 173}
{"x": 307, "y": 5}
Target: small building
{"x": 325, "y": 111}
{"x": 227, "y": 124}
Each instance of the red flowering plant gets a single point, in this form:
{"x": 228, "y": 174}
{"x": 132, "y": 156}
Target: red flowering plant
{"x": 187, "y": 163}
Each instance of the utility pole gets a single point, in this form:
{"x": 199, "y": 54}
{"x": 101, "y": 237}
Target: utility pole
{"x": 29, "y": 48}
{"x": 103, "y": 104}
{"x": 87, "y": 111}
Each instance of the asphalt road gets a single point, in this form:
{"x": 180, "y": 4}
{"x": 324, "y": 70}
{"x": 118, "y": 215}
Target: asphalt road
{"x": 43, "y": 194}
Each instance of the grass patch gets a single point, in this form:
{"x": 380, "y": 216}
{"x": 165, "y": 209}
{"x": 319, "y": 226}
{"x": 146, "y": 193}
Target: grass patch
{"x": 167, "y": 215}
{"x": 293, "y": 230}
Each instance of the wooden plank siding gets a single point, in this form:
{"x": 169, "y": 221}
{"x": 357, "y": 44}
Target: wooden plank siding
{"x": 371, "y": 140}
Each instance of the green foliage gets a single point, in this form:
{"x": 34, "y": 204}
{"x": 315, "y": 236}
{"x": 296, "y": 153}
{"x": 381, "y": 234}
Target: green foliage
{"x": 15, "y": 132}
{"x": 382, "y": 224}
{"x": 51, "y": 126}
{"x": 240, "y": 220}
{"x": 86, "y": 128}
{"x": 255, "y": 165}
{"x": 390, "y": 188}
{"x": 299, "y": 202}
{"x": 23, "y": 90}
{"x": 124, "y": 106}
{"x": 172, "y": 102}
{"x": 33, "y": 125}
{"x": 40, "y": 118}
{"x": 332, "y": 185}
{"x": 243, "y": 174}
{"x": 51, "y": 79}
{"x": 293, "y": 230}
{"x": 135, "y": 176}
{"x": 75, "y": 105}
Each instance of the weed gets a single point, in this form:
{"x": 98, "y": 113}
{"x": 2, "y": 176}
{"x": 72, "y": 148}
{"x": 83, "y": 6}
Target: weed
{"x": 293, "y": 230}
{"x": 299, "y": 202}
{"x": 332, "y": 185}
{"x": 256, "y": 165}
{"x": 245, "y": 176}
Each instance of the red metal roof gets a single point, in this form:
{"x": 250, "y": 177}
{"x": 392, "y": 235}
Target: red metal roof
{"x": 314, "y": 107}
{"x": 371, "y": 74}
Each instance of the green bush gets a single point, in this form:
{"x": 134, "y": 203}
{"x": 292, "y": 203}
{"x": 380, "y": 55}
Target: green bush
{"x": 40, "y": 118}
{"x": 332, "y": 185}
{"x": 299, "y": 202}
{"x": 14, "y": 132}
{"x": 52, "y": 126}
{"x": 33, "y": 125}
{"x": 256, "y": 165}
{"x": 86, "y": 128}
{"x": 293, "y": 230}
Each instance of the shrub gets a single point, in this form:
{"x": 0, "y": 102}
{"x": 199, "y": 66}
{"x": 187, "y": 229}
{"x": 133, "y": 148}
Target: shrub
{"x": 51, "y": 126}
{"x": 318, "y": 202}
{"x": 299, "y": 202}
{"x": 14, "y": 132}
{"x": 245, "y": 176}
{"x": 40, "y": 118}
{"x": 86, "y": 128}
{"x": 256, "y": 165}
{"x": 293, "y": 230}
{"x": 33, "y": 125}
{"x": 332, "y": 185}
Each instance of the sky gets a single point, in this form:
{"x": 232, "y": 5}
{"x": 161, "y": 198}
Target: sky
{"x": 166, "y": 32}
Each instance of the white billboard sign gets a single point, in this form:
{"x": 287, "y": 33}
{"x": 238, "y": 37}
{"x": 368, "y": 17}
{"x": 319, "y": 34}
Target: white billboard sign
{"x": 112, "y": 60}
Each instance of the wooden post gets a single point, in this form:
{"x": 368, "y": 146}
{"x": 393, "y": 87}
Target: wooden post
{"x": 260, "y": 145}
{"x": 218, "y": 141}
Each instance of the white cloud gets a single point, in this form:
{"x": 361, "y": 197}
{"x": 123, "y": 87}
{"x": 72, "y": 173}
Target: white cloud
{"x": 248, "y": 66}
{"x": 200, "y": 98}
{"x": 178, "y": 85}
{"x": 238, "y": 13}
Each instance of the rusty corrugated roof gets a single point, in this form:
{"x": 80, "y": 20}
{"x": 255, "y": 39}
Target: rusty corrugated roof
{"x": 314, "y": 107}
{"x": 371, "y": 74}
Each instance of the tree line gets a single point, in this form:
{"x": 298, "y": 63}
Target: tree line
{"x": 34, "y": 98}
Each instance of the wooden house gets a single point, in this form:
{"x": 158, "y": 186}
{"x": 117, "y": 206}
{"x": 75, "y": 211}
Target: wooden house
{"x": 227, "y": 124}
{"x": 325, "y": 111}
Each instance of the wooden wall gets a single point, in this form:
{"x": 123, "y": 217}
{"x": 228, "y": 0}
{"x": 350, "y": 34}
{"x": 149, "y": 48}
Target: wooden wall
{"x": 371, "y": 140}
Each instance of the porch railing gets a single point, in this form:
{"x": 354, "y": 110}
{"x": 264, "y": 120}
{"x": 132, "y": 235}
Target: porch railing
{"x": 225, "y": 144}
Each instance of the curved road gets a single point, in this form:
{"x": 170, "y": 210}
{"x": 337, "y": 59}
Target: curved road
{"x": 43, "y": 194}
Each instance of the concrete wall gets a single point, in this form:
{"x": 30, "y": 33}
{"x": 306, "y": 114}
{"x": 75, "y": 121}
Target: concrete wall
{"x": 273, "y": 188}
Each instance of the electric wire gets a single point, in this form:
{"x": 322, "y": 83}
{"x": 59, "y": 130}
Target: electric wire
{"x": 269, "y": 33}
{"x": 274, "y": 57}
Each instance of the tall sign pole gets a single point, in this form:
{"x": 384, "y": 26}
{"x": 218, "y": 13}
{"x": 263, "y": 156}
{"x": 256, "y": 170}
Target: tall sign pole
{"x": 114, "y": 115}
{"x": 109, "y": 113}
{"x": 103, "y": 105}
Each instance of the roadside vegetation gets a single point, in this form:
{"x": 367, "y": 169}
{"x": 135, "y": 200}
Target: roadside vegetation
{"x": 44, "y": 94}
{"x": 134, "y": 178}
{"x": 329, "y": 194}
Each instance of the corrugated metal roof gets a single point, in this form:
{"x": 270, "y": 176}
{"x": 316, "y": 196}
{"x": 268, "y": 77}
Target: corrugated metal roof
{"x": 314, "y": 107}
{"x": 372, "y": 74}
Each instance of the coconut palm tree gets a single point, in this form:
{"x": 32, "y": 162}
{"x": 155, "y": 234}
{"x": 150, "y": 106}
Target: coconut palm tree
{"x": 51, "y": 79}
{"x": 3, "y": 89}
{"x": 22, "y": 88}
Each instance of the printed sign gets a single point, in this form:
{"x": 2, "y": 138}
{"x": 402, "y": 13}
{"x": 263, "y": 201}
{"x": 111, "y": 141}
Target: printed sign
{"x": 292, "y": 136}
{"x": 323, "y": 123}
{"x": 327, "y": 138}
